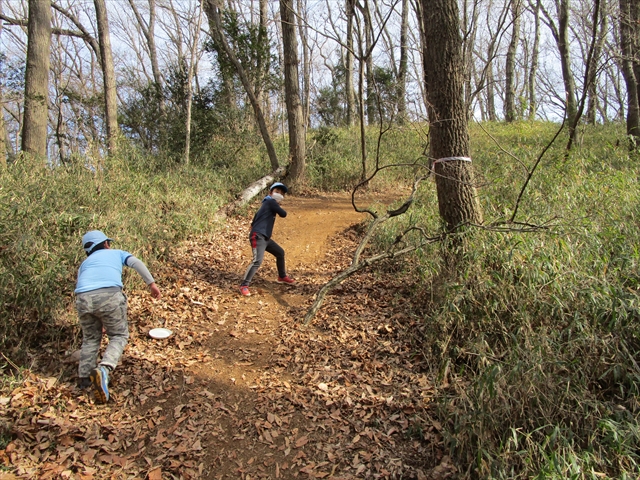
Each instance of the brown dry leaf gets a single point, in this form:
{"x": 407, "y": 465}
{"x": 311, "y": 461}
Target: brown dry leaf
{"x": 155, "y": 474}
{"x": 302, "y": 441}
{"x": 7, "y": 476}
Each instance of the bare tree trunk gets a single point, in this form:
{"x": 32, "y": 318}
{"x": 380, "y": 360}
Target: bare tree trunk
{"x": 592, "y": 107}
{"x": 367, "y": 62}
{"x": 306, "y": 64}
{"x": 292, "y": 91}
{"x": 491, "y": 102}
{"x": 565, "y": 59}
{"x": 3, "y": 134}
{"x": 561, "y": 35}
{"x": 261, "y": 66}
{"x": 535, "y": 55}
{"x": 629, "y": 43}
{"x": 108, "y": 74}
{"x": 215, "y": 26}
{"x": 491, "y": 55}
{"x": 148, "y": 30}
{"x": 457, "y": 199}
{"x": 36, "y": 88}
{"x": 470, "y": 20}
{"x": 3, "y": 131}
{"x": 510, "y": 67}
{"x": 192, "y": 61}
{"x": 590, "y": 63}
{"x": 404, "y": 59}
{"x": 350, "y": 90}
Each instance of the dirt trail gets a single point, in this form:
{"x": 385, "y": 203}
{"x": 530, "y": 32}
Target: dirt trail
{"x": 242, "y": 389}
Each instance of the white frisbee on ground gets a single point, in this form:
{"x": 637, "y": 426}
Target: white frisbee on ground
{"x": 160, "y": 333}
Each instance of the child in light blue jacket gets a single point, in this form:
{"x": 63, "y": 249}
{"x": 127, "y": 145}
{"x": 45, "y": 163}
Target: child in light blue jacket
{"x": 102, "y": 305}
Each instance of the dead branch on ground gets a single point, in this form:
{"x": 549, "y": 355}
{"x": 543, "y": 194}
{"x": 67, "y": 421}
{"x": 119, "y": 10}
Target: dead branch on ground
{"x": 250, "y": 192}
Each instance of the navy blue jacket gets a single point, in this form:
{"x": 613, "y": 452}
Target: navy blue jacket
{"x": 265, "y": 217}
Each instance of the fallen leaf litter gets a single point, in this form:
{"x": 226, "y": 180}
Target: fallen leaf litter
{"x": 242, "y": 389}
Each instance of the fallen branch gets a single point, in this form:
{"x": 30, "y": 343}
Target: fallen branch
{"x": 358, "y": 264}
{"x": 378, "y": 220}
{"x": 322, "y": 293}
{"x": 250, "y": 192}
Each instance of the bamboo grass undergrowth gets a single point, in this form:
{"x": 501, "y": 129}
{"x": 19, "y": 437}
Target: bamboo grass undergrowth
{"x": 534, "y": 339}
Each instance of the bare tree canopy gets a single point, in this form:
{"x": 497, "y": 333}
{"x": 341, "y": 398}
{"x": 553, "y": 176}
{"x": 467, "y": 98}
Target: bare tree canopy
{"x": 532, "y": 59}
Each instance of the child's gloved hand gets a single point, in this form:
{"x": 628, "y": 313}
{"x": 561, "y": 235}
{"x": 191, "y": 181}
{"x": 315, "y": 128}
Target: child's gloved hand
{"x": 155, "y": 291}
{"x": 277, "y": 197}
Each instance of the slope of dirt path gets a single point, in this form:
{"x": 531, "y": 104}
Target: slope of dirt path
{"x": 242, "y": 389}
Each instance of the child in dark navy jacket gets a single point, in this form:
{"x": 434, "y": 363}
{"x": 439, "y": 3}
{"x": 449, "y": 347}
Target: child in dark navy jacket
{"x": 260, "y": 237}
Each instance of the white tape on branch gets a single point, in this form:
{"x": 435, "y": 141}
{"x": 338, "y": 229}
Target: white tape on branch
{"x": 451, "y": 159}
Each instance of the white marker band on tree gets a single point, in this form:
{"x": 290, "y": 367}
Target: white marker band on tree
{"x": 451, "y": 159}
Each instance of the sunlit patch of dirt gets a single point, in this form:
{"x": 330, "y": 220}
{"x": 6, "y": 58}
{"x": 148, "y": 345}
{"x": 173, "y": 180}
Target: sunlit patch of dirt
{"x": 242, "y": 389}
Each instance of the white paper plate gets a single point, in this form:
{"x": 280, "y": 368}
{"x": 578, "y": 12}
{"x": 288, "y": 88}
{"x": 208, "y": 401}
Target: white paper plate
{"x": 160, "y": 333}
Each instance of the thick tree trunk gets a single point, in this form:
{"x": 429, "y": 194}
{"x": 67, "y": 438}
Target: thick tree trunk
{"x": 510, "y": 113}
{"x": 592, "y": 107}
{"x": 292, "y": 91}
{"x": 108, "y": 74}
{"x": 444, "y": 80}
{"x": 629, "y": 46}
{"x": 36, "y": 88}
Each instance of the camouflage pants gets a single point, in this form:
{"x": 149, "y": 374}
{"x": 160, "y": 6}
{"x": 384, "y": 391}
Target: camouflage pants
{"x": 101, "y": 308}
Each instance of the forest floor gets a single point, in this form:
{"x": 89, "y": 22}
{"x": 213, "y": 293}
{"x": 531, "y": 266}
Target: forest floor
{"x": 242, "y": 389}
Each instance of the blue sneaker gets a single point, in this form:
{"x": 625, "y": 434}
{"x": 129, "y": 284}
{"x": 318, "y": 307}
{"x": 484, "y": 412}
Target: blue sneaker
{"x": 100, "y": 383}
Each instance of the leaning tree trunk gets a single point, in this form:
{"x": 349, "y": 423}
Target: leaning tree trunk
{"x": 444, "y": 82}
{"x": 36, "y": 87}
{"x": 629, "y": 43}
{"x": 218, "y": 35}
{"x": 292, "y": 91}
{"x": 108, "y": 73}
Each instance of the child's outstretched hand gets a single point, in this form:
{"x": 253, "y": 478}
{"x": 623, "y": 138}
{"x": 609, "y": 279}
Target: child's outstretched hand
{"x": 155, "y": 291}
